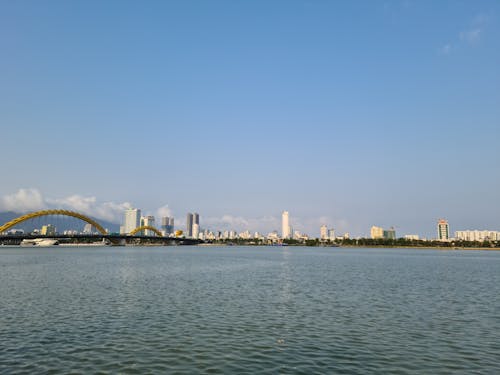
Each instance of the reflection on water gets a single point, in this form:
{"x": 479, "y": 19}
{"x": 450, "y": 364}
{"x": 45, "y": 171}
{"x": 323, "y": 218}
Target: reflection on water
{"x": 249, "y": 310}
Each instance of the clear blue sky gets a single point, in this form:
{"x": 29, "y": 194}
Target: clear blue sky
{"x": 352, "y": 113}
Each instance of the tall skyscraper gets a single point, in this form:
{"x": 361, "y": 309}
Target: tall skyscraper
{"x": 191, "y": 221}
{"x": 285, "y": 225}
{"x": 132, "y": 220}
{"x": 443, "y": 230}
{"x": 323, "y": 232}
{"x": 167, "y": 225}
{"x": 189, "y": 225}
{"x": 150, "y": 222}
{"x": 196, "y": 230}
{"x": 331, "y": 234}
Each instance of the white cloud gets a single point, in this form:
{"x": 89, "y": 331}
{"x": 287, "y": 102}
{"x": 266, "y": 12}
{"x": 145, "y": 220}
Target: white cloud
{"x": 32, "y": 199}
{"x": 110, "y": 211}
{"x": 164, "y": 211}
{"x": 238, "y": 223}
{"x": 26, "y": 200}
{"x": 471, "y": 36}
{"x": 23, "y": 200}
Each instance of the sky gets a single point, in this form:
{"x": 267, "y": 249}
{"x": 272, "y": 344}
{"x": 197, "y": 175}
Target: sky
{"x": 344, "y": 113}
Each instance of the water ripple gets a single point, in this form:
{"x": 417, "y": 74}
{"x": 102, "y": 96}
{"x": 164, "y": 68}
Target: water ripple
{"x": 249, "y": 310}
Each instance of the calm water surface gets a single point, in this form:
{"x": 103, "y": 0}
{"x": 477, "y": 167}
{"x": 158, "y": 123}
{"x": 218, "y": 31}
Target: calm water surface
{"x": 249, "y": 310}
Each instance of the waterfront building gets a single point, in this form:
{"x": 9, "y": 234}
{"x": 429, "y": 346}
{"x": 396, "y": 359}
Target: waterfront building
{"x": 323, "y": 232}
{"x": 376, "y": 232}
{"x": 132, "y": 220}
{"x": 411, "y": 237}
{"x": 150, "y": 222}
{"x": 87, "y": 229}
{"x": 273, "y": 236}
{"x": 48, "y": 230}
{"x": 477, "y": 235}
{"x": 443, "y": 230}
{"x": 331, "y": 234}
{"x": 189, "y": 224}
{"x": 167, "y": 225}
{"x": 196, "y": 230}
{"x": 245, "y": 235}
{"x": 285, "y": 225}
{"x": 191, "y": 219}
{"x": 390, "y": 234}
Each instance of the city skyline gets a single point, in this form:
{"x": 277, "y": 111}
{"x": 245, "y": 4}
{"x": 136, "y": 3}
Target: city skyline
{"x": 347, "y": 114}
{"x": 27, "y": 200}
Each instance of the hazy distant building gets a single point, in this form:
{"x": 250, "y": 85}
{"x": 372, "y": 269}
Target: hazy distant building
{"x": 148, "y": 221}
{"x": 167, "y": 225}
{"x": 477, "y": 235}
{"x": 189, "y": 224}
{"x": 48, "y": 230}
{"x": 443, "y": 230}
{"x": 323, "y": 232}
{"x": 192, "y": 219}
{"x": 196, "y": 230}
{"x": 331, "y": 234}
{"x": 132, "y": 220}
{"x": 87, "y": 229}
{"x": 285, "y": 225}
{"x": 412, "y": 237}
{"x": 389, "y": 234}
{"x": 376, "y": 232}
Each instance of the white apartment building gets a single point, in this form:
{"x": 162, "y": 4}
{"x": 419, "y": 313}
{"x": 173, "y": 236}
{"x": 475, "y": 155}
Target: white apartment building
{"x": 323, "y": 232}
{"x": 477, "y": 235}
{"x": 376, "y": 232}
{"x": 132, "y": 220}
{"x": 285, "y": 225}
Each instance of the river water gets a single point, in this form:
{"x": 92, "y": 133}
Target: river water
{"x": 234, "y": 310}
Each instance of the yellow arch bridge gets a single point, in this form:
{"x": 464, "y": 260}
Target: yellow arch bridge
{"x": 5, "y": 227}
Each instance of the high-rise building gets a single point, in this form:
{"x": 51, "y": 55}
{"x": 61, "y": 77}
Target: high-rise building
{"x": 48, "y": 230}
{"x": 189, "y": 225}
{"x": 323, "y": 232}
{"x": 331, "y": 234}
{"x": 376, "y": 232}
{"x": 148, "y": 221}
{"x": 192, "y": 219}
{"x": 443, "y": 230}
{"x": 167, "y": 225}
{"x": 390, "y": 234}
{"x": 132, "y": 220}
{"x": 285, "y": 225}
{"x": 87, "y": 229}
{"x": 196, "y": 230}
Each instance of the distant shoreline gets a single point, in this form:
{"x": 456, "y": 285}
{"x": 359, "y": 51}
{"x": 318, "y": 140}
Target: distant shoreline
{"x": 421, "y": 247}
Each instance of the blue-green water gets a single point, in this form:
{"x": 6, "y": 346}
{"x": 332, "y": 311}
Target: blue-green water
{"x": 249, "y": 310}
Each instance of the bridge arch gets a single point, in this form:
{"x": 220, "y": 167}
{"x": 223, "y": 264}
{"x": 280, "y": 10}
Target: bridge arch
{"x": 145, "y": 227}
{"x": 32, "y": 215}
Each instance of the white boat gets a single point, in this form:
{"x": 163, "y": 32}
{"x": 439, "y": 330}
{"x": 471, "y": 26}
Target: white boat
{"x": 39, "y": 242}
